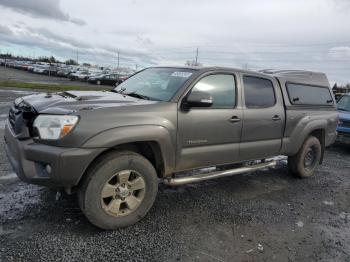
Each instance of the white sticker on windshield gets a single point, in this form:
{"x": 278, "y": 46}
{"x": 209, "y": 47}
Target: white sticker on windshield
{"x": 182, "y": 74}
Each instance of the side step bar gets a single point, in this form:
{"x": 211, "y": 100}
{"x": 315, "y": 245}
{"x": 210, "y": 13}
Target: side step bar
{"x": 202, "y": 177}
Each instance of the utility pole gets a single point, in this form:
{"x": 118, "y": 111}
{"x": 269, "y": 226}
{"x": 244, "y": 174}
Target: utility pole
{"x": 196, "y": 57}
{"x": 118, "y": 61}
{"x": 136, "y": 66}
{"x": 77, "y": 57}
{"x": 5, "y": 65}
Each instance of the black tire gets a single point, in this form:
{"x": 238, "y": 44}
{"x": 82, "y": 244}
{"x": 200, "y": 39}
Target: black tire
{"x": 98, "y": 82}
{"x": 300, "y": 164}
{"x": 90, "y": 190}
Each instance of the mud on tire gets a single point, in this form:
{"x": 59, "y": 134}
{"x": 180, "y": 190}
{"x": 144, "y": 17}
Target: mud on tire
{"x": 118, "y": 190}
{"x": 304, "y": 163}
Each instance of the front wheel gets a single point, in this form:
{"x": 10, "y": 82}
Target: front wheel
{"x": 119, "y": 190}
{"x": 305, "y": 162}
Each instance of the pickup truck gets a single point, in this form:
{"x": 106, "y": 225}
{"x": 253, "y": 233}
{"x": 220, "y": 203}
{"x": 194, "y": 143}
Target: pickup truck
{"x": 344, "y": 119}
{"x": 113, "y": 147}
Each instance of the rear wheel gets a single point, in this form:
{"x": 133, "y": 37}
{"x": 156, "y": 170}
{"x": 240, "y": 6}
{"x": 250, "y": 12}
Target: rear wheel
{"x": 98, "y": 82}
{"x": 305, "y": 162}
{"x": 119, "y": 190}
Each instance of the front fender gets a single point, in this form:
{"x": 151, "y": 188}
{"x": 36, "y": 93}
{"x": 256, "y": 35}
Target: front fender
{"x": 138, "y": 133}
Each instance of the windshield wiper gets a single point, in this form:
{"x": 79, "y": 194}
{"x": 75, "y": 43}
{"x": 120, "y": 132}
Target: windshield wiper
{"x": 134, "y": 94}
{"x": 121, "y": 91}
{"x": 343, "y": 109}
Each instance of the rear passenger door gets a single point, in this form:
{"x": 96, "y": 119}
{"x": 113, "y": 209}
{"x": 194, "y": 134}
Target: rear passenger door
{"x": 264, "y": 117}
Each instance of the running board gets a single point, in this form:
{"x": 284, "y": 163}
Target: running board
{"x": 202, "y": 177}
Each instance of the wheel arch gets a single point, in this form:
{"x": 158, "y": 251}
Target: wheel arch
{"x": 151, "y": 150}
{"x": 153, "y": 142}
{"x": 156, "y": 139}
{"x": 291, "y": 145}
{"x": 320, "y": 134}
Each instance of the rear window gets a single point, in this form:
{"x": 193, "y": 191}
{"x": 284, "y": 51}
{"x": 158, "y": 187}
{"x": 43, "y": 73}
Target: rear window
{"x": 309, "y": 95}
{"x": 258, "y": 92}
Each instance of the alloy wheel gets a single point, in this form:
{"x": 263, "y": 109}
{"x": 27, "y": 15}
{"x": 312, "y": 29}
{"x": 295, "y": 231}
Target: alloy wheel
{"x": 123, "y": 193}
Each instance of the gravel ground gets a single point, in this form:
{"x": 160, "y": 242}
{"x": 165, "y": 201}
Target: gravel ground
{"x": 265, "y": 216}
{"x": 8, "y": 74}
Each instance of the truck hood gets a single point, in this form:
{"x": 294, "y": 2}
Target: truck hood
{"x": 73, "y": 101}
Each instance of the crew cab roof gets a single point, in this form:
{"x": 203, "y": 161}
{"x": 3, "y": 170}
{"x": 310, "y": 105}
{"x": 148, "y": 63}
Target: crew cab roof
{"x": 292, "y": 76}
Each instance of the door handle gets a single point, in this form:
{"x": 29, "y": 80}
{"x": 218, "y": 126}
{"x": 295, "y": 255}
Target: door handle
{"x": 276, "y": 118}
{"x": 234, "y": 119}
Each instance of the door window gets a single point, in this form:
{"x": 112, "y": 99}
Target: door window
{"x": 222, "y": 89}
{"x": 258, "y": 92}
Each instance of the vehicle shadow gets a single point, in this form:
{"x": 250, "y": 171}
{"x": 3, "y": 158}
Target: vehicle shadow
{"x": 50, "y": 207}
{"x": 59, "y": 210}
{"x": 340, "y": 148}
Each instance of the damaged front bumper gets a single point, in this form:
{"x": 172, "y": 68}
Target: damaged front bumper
{"x": 46, "y": 165}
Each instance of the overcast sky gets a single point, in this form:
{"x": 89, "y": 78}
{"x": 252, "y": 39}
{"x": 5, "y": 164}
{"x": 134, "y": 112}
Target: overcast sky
{"x": 254, "y": 34}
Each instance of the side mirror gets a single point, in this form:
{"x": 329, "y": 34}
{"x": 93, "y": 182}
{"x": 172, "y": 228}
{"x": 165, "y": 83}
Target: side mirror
{"x": 199, "y": 99}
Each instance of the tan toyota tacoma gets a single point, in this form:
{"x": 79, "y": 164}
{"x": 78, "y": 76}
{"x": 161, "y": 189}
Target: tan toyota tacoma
{"x": 113, "y": 147}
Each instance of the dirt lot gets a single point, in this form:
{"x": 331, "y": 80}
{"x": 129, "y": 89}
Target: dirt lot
{"x": 265, "y": 216}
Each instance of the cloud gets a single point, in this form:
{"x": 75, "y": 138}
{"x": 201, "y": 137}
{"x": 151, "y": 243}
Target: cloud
{"x": 49, "y": 35}
{"x": 5, "y": 30}
{"x": 287, "y": 34}
{"x": 67, "y": 47}
{"x": 340, "y": 53}
{"x": 49, "y": 9}
{"x": 341, "y": 5}
{"x": 144, "y": 40}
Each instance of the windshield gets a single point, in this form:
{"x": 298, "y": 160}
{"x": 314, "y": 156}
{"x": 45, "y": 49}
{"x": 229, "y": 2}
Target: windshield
{"x": 344, "y": 103}
{"x": 156, "y": 83}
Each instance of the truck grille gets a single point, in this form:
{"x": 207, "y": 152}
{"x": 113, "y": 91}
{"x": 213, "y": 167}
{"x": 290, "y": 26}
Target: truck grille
{"x": 345, "y": 123}
{"x": 21, "y": 117}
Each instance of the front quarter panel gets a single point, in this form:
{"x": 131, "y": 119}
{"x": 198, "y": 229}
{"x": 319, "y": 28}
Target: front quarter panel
{"x": 138, "y": 133}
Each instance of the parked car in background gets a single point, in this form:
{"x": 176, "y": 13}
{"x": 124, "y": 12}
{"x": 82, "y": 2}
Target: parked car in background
{"x": 79, "y": 75}
{"x": 31, "y": 68}
{"x": 50, "y": 71}
{"x": 344, "y": 119}
{"x": 40, "y": 69}
{"x": 105, "y": 79}
{"x": 64, "y": 72}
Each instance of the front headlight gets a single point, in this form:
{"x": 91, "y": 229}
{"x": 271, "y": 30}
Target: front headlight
{"x": 52, "y": 127}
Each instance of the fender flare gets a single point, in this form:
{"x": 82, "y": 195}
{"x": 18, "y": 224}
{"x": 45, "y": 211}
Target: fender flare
{"x": 292, "y": 144}
{"x": 138, "y": 133}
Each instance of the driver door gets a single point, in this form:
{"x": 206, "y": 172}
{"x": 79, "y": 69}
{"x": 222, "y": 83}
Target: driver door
{"x": 209, "y": 136}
